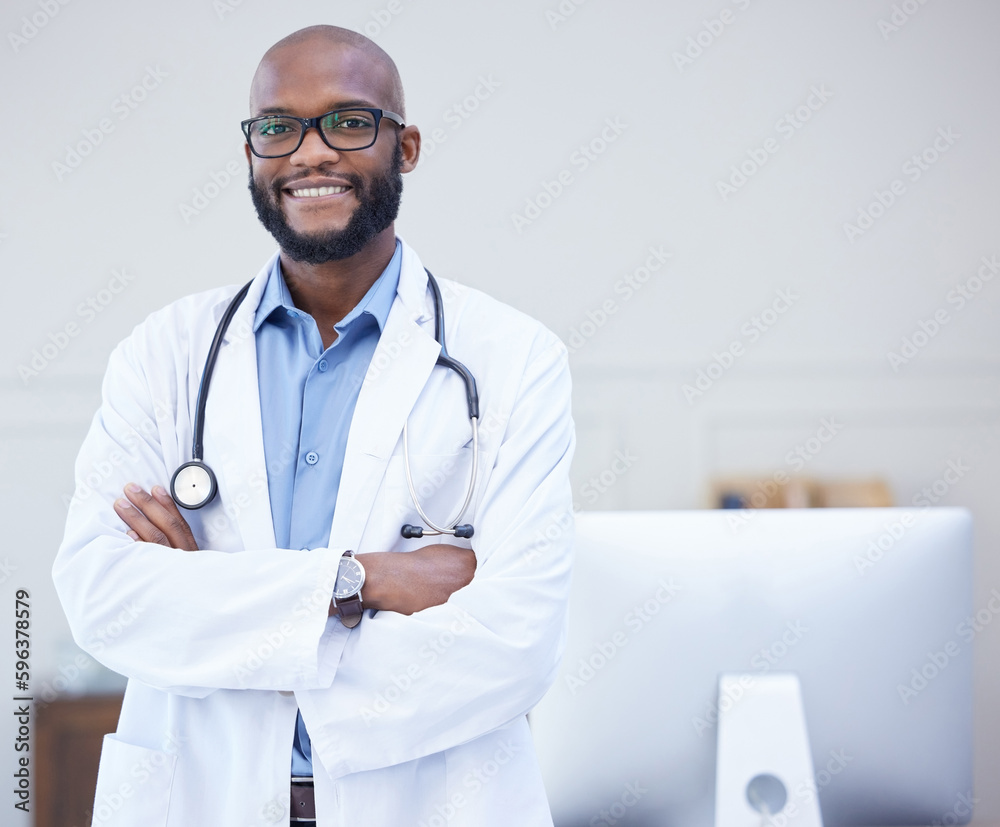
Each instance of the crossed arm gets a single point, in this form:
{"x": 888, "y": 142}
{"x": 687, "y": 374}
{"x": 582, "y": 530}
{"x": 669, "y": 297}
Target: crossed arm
{"x": 403, "y": 583}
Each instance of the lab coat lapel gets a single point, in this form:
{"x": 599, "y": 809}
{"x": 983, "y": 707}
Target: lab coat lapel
{"x": 403, "y": 361}
{"x": 234, "y": 441}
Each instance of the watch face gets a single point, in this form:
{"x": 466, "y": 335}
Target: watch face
{"x": 350, "y": 578}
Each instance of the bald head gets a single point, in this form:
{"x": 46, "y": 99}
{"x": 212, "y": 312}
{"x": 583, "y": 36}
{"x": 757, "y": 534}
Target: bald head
{"x": 330, "y": 50}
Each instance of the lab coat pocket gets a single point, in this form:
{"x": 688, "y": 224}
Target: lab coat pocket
{"x": 133, "y": 785}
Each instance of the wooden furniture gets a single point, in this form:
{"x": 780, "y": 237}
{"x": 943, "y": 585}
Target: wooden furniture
{"x": 783, "y": 490}
{"x": 66, "y": 751}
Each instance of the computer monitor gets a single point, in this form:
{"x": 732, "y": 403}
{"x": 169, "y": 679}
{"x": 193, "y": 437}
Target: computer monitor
{"x": 870, "y": 608}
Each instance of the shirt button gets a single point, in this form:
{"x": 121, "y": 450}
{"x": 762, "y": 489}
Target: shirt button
{"x": 323, "y": 365}
{"x": 312, "y": 457}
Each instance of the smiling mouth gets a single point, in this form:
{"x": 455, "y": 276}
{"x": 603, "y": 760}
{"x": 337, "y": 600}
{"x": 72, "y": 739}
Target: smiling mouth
{"x": 317, "y": 192}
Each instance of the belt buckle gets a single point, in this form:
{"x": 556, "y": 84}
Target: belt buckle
{"x": 303, "y": 803}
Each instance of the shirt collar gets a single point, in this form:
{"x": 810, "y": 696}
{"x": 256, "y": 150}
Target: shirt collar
{"x": 376, "y": 302}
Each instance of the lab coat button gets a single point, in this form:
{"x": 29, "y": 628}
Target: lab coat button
{"x": 323, "y": 365}
{"x": 285, "y": 692}
{"x": 272, "y": 812}
{"x": 312, "y": 457}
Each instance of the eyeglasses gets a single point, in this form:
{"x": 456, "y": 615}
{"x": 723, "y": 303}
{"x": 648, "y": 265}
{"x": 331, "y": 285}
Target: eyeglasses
{"x": 275, "y": 136}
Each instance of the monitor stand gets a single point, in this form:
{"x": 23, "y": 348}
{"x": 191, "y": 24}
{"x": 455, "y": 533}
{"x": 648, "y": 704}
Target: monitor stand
{"x": 764, "y": 771}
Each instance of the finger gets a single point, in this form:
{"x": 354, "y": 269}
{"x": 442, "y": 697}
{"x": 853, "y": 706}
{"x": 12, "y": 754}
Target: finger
{"x": 132, "y": 534}
{"x": 168, "y": 522}
{"x": 139, "y": 525}
{"x": 188, "y": 543}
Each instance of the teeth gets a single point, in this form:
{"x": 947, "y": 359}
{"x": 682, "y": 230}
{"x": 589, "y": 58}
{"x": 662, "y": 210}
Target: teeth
{"x": 316, "y": 192}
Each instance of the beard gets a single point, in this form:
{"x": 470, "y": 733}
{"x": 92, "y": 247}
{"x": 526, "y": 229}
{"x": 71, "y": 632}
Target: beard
{"x": 378, "y": 205}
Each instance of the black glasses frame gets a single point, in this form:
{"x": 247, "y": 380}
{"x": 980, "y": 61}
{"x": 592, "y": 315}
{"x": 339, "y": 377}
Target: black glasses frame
{"x": 377, "y": 114}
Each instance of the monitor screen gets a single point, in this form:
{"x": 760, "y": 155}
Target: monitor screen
{"x": 870, "y": 608}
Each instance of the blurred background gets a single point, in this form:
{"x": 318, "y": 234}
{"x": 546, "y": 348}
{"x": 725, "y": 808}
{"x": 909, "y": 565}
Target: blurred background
{"x": 767, "y": 230}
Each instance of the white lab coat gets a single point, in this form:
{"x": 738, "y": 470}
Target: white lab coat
{"x": 414, "y": 720}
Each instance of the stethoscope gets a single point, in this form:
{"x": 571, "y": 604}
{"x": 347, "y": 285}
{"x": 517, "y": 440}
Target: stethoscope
{"x": 193, "y": 484}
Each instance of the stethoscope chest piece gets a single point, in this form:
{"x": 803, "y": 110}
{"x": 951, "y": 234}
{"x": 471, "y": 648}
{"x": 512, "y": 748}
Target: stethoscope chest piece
{"x": 193, "y": 485}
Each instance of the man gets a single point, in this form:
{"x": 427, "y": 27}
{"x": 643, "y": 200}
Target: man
{"x": 405, "y": 702}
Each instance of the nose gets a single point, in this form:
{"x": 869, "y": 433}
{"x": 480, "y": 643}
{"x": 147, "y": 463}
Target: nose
{"x": 313, "y": 150}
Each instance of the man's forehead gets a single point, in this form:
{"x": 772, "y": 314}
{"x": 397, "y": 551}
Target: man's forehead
{"x": 318, "y": 72}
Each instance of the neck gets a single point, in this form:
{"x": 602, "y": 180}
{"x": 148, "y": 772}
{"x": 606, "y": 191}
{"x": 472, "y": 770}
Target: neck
{"x": 329, "y": 291}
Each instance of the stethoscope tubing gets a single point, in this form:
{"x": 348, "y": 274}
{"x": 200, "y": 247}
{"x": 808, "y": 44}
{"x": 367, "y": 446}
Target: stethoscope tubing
{"x": 196, "y": 469}
{"x": 436, "y": 529}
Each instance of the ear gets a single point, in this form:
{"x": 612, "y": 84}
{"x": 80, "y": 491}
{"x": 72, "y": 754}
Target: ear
{"x": 249, "y": 154}
{"x": 409, "y": 139}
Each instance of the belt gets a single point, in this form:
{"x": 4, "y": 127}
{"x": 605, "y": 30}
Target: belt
{"x": 303, "y": 803}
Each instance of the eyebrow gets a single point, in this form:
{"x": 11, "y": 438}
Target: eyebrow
{"x": 349, "y": 104}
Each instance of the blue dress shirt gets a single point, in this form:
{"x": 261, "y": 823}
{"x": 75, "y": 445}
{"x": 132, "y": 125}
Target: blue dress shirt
{"x": 307, "y": 399}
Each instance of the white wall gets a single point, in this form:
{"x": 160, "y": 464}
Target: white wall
{"x": 548, "y": 86}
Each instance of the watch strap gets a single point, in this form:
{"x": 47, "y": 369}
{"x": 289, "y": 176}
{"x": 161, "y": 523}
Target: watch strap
{"x": 350, "y": 608}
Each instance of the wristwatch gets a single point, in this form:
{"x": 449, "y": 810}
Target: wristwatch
{"x": 347, "y": 590}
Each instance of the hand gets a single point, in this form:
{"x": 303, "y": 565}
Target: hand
{"x": 407, "y": 582}
{"x": 154, "y": 518}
